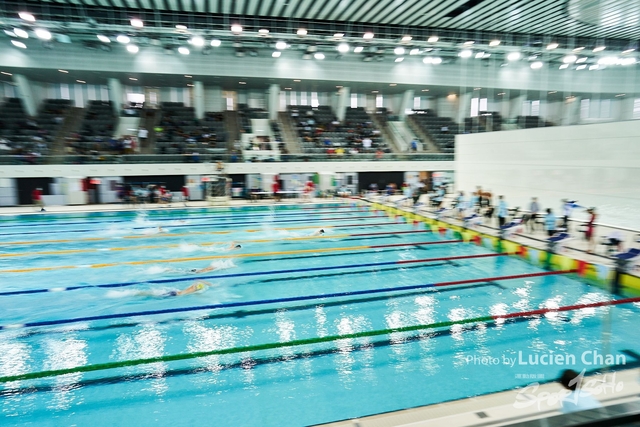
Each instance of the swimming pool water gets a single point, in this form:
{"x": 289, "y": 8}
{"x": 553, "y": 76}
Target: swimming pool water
{"x": 121, "y": 263}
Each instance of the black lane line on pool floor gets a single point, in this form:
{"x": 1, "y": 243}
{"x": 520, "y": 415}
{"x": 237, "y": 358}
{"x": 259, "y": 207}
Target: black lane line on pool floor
{"x": 255, "y": 362}
{"x": 361, "y": 252}
{"x": 239, "y": 314}
{"x": 349, "y": 273}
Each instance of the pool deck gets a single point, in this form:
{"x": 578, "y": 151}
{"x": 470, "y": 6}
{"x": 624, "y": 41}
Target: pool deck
{"x": 493, "y": 409}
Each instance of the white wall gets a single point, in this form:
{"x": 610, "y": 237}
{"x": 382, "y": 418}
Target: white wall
{"x": 595, "y": 164}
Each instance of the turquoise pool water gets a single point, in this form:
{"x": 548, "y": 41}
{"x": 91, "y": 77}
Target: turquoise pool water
{"x": 120, "y": 266}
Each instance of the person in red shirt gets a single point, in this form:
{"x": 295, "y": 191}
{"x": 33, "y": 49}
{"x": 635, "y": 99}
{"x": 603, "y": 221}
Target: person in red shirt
{"x": 36, "y": 196}
{"x": 276, "y": 190}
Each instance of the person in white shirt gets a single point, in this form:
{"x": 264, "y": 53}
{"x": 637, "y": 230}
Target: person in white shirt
{"x": 366, "y": 143}
{"x": 578, "y": 399}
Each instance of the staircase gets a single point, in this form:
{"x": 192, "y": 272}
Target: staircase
{"x": 384, "y": 130}
{"x": 290, "y": 134}
{"x": 150, "y": 119}
{"x": 71, "y": 124}
{"x": 427, "y": 143}
{"x": 232, "y": 127}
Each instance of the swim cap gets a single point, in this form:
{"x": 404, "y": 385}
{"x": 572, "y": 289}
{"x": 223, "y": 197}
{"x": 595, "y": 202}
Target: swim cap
{"x": 200, "y": 286}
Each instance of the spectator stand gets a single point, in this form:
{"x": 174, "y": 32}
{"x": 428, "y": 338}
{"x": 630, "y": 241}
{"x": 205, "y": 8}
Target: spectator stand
{"x": 441, "y": 130}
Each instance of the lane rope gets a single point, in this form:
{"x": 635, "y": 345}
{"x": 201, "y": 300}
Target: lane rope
{"x": 256, "y": 273}
{"x": 307, "y": 341}
{"x": 211, "y": 257}
{"x": 277, "y": 300}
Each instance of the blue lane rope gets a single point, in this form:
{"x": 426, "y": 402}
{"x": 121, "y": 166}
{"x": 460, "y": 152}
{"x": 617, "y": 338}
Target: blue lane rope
{"x": 270, "y": 301}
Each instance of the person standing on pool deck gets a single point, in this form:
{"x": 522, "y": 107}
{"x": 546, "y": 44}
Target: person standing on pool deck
{"x": 550, "y": 223}
{"x": 589, "y": 232}
{"x": 36, "y": 196}
{"x": 502, "y": 211}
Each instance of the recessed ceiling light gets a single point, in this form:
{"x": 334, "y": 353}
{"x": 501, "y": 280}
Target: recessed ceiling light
{"x": 358, "y": 49}
{"x": 263, "y": 31}
{"x": 135, "y": 22}
{"x": 399, "y": 59}
{"x": 552, "y": 92}
{"x": 132, "y": 48}
{"x": 469, "y": 43}
{"x": 6, "y": 74}
{"x": 319, "y": 55}
{"x": 43, "y": 34}
{"x": 599, "y": 48}
{"x": 551, "y": 46}
{"x": 123, "y": 39}
{"x": 197, "y": 41}
{"x": 425, "y": 90}
{"x": 406, "y": 38}
{"x": 281, "y": 45}
{"x": 477, "y": 88}
{"x": 189, "y": 85}
{"x": 433, "y": 39}
{"x": 465, "y": 53}
{"x": 276, "y": 54}
{"x": 494, "y": 43}
{"x": 21, "y": 33}
{"x": 581, "y": 60}
{"x": 620, "y": 94}
{"x": 368, "y": 35}
{"x": 536, "y": 65}
{"x": 215, "y": 42}
{"x": 181, "y": 27}
{"x": 569, "y": 59}
{"x": 236, "y": 28}
{"x": 104, "y": 38}
{"x": 513, "y": 56}
{"x": 133, "y": 78}
{"x": 301, "y": 32}
{"x": 594, "y": 67}
{"x": 501, "y": 93}
{"x": 297, "y": 80}
{"x": 414, "y": 51}
{"x": 27, "y": 16}
{"x": 64, "y": 71}
{"x": 399, "y": 51}
{"x": 624, "y": 52}
{"x": 287, "y": 88}
{"x": 242, "y": 83}
{"x": 339, "y": 87}
{"x": 80, "y": 81}
{"x": 563, "y": 66}
{"x": 188, "y": 76}
{"x": 183, "y": 50}
{"x": 479, "y": 55}
{"x": 343, "y": 48}
{"x": 374, "y": 91}
{"x": 10, "y": 33}
{"x": 16, "y": 43}
{"x": 581, "y": 67}
{"x": 338, "y": 35}
{"x": 393, "y": 84}
{"x": 578, "y": 49}
{"x": 436, "y": 60}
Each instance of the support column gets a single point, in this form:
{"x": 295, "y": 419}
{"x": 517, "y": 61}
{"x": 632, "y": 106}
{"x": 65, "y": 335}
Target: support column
{"x": 464, "y": 107}
{"x": 572, "y": 111}
{"x": 407, "y": 103}
{"x": 116, "y": 95}
{"x": 516, "y": 103}
{"x": 273, "y": 101}
{"x": 198, "y": 99}
{"x": 26, "y": 94}
{"x": 344, "y": 102}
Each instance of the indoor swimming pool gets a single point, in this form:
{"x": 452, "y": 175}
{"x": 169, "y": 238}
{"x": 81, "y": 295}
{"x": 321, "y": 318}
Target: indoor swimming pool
{"x": 294, "y": 328}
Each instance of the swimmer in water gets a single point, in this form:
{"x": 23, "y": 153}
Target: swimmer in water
{"x": 198, "y": 286}
{"x": 233, "y": 246}
{"x": 318, "y": 232}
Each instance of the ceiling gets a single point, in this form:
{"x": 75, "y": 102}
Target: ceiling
{"x": 597, "y": 19}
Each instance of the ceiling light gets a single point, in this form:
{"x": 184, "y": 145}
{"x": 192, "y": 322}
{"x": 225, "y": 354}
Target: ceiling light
{"x": 374, "y": 91}
{"x": 80, "y": 81}
{"x": 20, "y": 33}
{"x": 368, "y": 35}
{"x": 551, "y": 92}
{"x": 301, "y": 32}
{"x": 624, "y": 52}
{"x": 617, "y": 96}
{"x": 358, "y": 49}
{"x": 9, "y": 33}
{"x": 338, "y": 35}
{"x": 189, "y": 85}
{"x": 563, "y": 66}
{"x": 494, "y": 43}
{"x": 578, "y": 49}
{"x": 399, "y": 59}
{"x": 501, "y": 93}
{"x": 427, "y": 60}
{"x": 393, "y": 84}
{"x": 43, "y": 34}
{"x": 132, "y": 48}
{"x": 319, "y": 55}
{"x": 343, "y": 47}
{"x": 599, "y": 48}
{"x": 27, "y": 16}
{"x": 465, "y": 53}
{"x": 581, "y": 67}
{"x": 425, "y": 90}
{"x": 339, "y": 87}
{"x": 469, "y": 43}
{"x": 451, "y": 96}
{"x": 181, "y": 27}
{"x": 263, "y": 31}
{"x": 16, "y": 43}
{"x": 594, "y": 67}
{"x": 188, "y": 76}
{"x": 479, "y": 55}
{"x": 104, "y": 39}
{"x": 281, "y": 45}
{"x": 135, "y": 22}
{"x": 433, "y": 39}
{"x": 123, "y": 39}
{"x": 536, "y": 65}
{"x": 551, "y": 46}
{"x": 513, "y": 56}
{"x": 215, "y": 42}
{"x": 133, "y": 78}
{"x": 197, "y": 41}
{"x": 288, "y": 88}
{"x": 236, "y": 28}
{"x": 608, "y": 60}
{"x": 243, "y": 83}
{"x": 297, "y": 80}
{"x": 6, "y": 74}
{"x": 183, "y": 50}
{"x": 276, "y": 54}
{"x": 64, "y": 71}
{"x": 407, "y": 38}
{"x": 436, "y": 60}
{"x": 569, "y": 59}
{"x": 628, "y": 61}
{"x": 415, "y": 51}
{"x": 581, "y": 60}
{"x": 399, "y": 51}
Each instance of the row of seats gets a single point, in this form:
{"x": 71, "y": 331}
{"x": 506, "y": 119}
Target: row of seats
{"x": 486, "y": 121}
{"x": 441, "y": 130}
{"x": 529, "y": 122}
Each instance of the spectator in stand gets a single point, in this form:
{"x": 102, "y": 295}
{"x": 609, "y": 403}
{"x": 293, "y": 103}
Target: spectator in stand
{"x": 379, "y": 154}
{"x": 502, "y": 211}
{"x": 366, "y": 143}
{"x": 414, "y": 145}
{"x": 36, "y": 196}
{"x": 143, "y": 134}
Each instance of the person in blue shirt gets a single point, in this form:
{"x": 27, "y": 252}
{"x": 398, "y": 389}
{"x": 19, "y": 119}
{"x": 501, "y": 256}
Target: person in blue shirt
{"x": 550, "y": 223}
{"x": 502, "y": 211}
